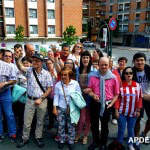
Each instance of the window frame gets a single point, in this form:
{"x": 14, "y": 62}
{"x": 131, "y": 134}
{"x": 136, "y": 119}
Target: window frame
{"x": 33, "y": 31}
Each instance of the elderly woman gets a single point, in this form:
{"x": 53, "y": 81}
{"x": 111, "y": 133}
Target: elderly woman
{"x": 62, "y": 93}
{"x": 128, "y": 106}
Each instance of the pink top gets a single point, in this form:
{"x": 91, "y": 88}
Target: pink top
{"x": 111, "y": 87}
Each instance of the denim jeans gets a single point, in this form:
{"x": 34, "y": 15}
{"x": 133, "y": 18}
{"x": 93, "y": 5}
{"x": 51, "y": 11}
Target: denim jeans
{"x": 122, "y": 125}
{"x": 6, "y": 106}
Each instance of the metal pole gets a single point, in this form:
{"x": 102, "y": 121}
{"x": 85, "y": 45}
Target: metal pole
{"x": 110, "y": 52}
{"x": 109, "y": 47}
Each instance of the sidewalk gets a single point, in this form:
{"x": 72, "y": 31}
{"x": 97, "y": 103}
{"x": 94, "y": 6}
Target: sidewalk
{"x": 51, "y": 144}
{"x": 131, "y": 48}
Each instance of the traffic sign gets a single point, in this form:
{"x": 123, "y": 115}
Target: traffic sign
{"x": 112, "y": 23}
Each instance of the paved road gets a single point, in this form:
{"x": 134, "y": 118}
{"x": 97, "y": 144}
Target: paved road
{"x": 51, "y": 144}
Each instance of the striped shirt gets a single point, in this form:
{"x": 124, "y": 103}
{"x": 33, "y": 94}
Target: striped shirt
{"x": 130, "y": 99}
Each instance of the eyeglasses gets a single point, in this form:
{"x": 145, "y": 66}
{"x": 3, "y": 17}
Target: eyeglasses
{"x": 69, "y": 63}
{"x": 78, "y": 46}
{"x": 128, "y": 73}
{"x": 8, "y": 56}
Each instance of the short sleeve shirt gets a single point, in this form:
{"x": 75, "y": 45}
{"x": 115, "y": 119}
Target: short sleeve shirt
{"x": 144, "y": 82}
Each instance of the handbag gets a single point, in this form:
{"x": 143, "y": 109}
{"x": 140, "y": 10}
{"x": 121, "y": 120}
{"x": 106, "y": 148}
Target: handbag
{"x": 68, "y": 108}
{"x": 40, "y": 85}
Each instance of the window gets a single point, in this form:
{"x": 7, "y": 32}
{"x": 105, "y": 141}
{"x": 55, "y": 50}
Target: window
{"x": 50, "y": 1}
{"x": 32, "y": 13}
{"x": 33, "y": 29}
{"x": 119, "y": 17}
{"x": 111, "y": 8}
{"x": 120, "y": 7}
{"x": 85, "y": 12}
{"x": 10, "y": 29}
{"x": 138, "y": 6}
{"x": 32, "y": 0}
{"x": 9, "y": 12}
{"x": 137, "y": 17}
{"x": 120, "y": 28}
{"x": 125, "y": 28}
{"x": 51, "y": 29}
{"x": 148, "y": 5}
{"x": 84, "y": 27}
{"x": 136, "y": 28}
{"x": 148, "y": 16}
{"x": 126, "y": 17}
{"x": 1, "y": 11}
{"x": 51, "y": 14}
{"x": 127, "y": 6}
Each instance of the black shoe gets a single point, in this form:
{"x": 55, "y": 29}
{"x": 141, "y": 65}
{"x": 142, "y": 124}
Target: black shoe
{"x": 60, "y": 145}
{"x": 22, "y": 143}
{"x": 137, "y": 147}
{"x": 93, "y": 146}
{"x": 13, "y": 138}
{"x": 102, "y": 147}
{"x": 71, "y": 146}
{"x": 39, "y": 142}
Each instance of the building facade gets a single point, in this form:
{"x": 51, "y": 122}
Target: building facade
{"x": 133, "y": 18}
{"x": 43, "y": 20}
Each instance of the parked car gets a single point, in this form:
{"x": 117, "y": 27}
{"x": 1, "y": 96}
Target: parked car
{"x": 102, "y": 44}
{"x": 88, "y": 43}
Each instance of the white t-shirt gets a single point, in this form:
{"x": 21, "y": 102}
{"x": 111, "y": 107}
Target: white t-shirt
{"x": 141, "y": 76}
{"x": 75, "y": 59}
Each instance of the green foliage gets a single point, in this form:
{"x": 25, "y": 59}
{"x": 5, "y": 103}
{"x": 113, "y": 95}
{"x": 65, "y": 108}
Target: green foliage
{"x": 69, "y": 36}
{"x": 19, "y": 33}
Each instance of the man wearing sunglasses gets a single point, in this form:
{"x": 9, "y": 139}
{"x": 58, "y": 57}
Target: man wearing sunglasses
{"x": 141, "y": 74}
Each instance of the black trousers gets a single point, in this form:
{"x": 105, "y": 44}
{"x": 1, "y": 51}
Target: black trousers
{"x": 50, "y": 114}
{"x": 18, "y": 109}
{"x": 94, "y": 116}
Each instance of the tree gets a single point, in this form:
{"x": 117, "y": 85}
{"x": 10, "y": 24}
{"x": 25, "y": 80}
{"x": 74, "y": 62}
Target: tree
{"x": 19, "y": 33}
{"x": 69, "y": 36}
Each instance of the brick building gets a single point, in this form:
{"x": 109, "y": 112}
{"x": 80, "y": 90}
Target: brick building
{"x": 43, "y": 20}
{"x": 133, "y": 17}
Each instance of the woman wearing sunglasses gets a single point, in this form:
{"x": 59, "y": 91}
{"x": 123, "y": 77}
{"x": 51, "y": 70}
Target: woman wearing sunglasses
{"x": 75, "y": 55}
{"x": 128, "y": 105}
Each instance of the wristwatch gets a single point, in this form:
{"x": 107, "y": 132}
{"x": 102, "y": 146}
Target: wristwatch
{"x": 6, "y": 82}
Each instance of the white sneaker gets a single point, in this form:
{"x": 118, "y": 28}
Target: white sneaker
{"x": 114, "y": 121}
{"x": 99, "y": 125}
{"x": 131, "y": 147}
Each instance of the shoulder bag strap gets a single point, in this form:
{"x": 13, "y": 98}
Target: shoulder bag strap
{"x": 40, "y": 85}
{"x": 64, "y": 93}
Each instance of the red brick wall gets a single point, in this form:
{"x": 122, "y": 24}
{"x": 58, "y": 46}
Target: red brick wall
{"x": 21, "y": 14}
{"x": 41, "y": 18}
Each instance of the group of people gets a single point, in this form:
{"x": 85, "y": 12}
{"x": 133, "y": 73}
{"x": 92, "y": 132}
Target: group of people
{"x": 78, "y": 90}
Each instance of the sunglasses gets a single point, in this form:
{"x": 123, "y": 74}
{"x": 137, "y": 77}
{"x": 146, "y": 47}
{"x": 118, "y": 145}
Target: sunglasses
{"x": 79, "y": 47}
{"x": 128, "y": 73}
{"x": 8, "y": 56}
{"x": 68, "y": 63}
